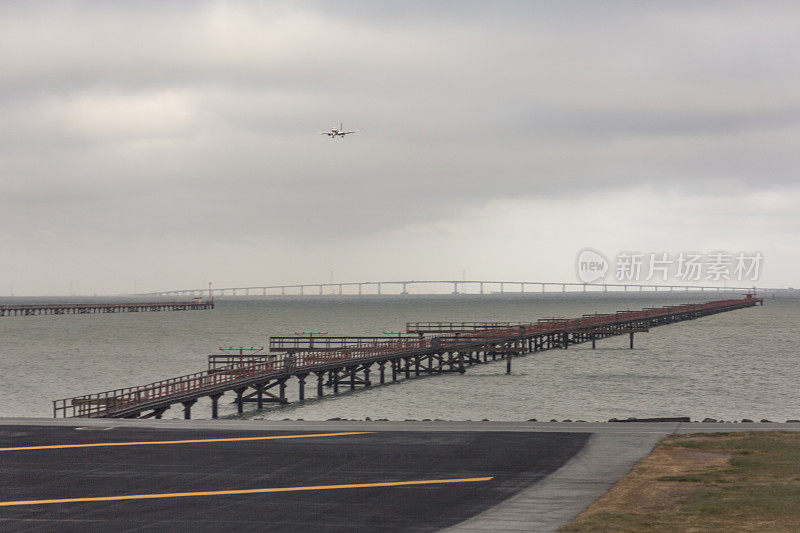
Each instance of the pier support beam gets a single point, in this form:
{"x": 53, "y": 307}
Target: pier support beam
{"x": 508, "y": 363}
{"x": 215, "y": 405}
{"x": 260, "y": 395}
{"x": 593, "y": 342}
{"x": 240, "y": 400}
{"x": 631, "y": 334}
{"x": 382, "y": 366}
{"x": 301, "y": 378}
{"x": 282, "y": 388}
{"x": 320, "y": 378}
{"x": 187, "y": 408}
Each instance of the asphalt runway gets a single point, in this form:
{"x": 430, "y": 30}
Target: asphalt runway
{"x": 139, "y": 478}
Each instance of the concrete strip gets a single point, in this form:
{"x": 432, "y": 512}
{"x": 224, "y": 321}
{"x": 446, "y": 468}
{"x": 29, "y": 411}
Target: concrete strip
{"x": 556, "y": 500}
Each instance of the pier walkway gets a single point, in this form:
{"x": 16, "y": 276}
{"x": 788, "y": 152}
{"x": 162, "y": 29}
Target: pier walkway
{"x": 452, "y": 347}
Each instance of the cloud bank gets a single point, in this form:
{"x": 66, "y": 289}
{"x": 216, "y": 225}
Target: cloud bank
{"x": 163, "y": 134}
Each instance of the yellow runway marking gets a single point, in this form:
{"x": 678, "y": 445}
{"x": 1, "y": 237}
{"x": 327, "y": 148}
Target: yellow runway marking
{"x": 192, "y": 441}
{"x": 244, "y": 491}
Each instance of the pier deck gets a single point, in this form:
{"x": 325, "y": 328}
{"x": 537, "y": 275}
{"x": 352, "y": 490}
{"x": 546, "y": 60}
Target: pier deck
{"x": 265, "y": 380}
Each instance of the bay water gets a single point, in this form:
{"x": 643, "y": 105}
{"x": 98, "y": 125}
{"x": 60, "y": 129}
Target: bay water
{"x": 729, "y": 366}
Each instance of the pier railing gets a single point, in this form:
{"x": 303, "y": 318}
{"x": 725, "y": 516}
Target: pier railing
{"x": 440, "y": 326}
{"x": 587, "y": 321}
{"x": 326, "y": 342}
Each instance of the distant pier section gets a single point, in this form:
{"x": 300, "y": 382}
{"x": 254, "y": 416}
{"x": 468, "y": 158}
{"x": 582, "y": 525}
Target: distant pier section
{"x": 103, "y": 308}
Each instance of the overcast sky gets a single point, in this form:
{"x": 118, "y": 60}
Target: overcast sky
{"x": 166, "y": 144}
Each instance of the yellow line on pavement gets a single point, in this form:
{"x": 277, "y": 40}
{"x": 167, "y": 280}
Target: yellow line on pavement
{"x": 191, "y": 441}
{"x": 244, "y": 491}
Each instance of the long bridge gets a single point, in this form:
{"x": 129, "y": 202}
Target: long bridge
{"x": 427, "y": 348}
{"x": 453, "y": 286}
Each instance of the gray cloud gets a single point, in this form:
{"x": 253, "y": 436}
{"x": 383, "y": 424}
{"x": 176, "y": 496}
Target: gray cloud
{"x": 131, "y": 123}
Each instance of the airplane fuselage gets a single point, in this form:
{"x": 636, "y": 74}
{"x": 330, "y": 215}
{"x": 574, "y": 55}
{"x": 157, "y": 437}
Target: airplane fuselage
{"x": 337, "y": 132}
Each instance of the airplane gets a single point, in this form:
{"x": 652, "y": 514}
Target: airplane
{"x": 337, "y": 132}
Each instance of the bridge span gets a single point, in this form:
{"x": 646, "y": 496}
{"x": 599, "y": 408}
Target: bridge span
{"x": 440, "y": 287}
{"x": 427, "y": 348}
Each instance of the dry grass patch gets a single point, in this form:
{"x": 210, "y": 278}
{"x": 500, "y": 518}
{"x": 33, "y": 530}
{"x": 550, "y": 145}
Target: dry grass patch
{"x": 730, "y": 481}
{"x": 637, "y": 490}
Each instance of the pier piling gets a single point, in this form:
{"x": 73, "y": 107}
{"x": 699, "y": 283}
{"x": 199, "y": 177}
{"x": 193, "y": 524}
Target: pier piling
{"x": 215, "y": 405}
{"x": 187, "y": 408}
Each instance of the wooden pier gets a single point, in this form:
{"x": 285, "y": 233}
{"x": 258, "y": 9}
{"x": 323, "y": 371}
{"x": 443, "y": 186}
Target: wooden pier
{"x": 102, "y": 308}
{"x": 260, "y": 377}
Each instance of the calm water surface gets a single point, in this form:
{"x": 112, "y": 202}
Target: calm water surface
{"x": 741, "y": 364}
